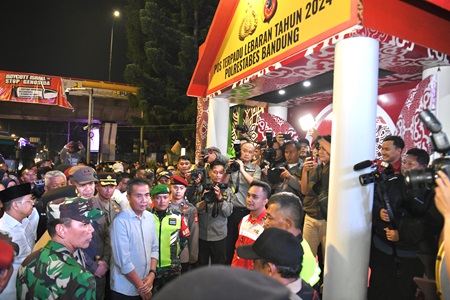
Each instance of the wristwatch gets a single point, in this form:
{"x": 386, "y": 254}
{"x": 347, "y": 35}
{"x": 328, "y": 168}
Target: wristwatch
{"x": 154, "y": 272}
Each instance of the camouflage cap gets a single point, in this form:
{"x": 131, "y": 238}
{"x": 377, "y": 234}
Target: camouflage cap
{"x": 164, "y": 174}
{"x": 76, "y": 208}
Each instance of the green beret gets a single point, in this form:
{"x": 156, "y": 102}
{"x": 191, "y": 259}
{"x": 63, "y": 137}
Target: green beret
{"x": 160, "y": 189}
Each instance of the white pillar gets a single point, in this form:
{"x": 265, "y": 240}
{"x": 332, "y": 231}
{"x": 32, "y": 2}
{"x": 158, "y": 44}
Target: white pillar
{"x": 218, "y": 117}
{"x": 278, "y": 110}
{"x": 442, "y": 96}
{"x": 350, "y": 204}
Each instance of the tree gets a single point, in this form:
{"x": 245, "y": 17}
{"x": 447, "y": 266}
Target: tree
{"x": 163, "y": 40}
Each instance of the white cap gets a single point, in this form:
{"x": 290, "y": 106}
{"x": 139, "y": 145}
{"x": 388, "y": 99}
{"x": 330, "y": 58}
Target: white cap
{"x": 118, "y": 167}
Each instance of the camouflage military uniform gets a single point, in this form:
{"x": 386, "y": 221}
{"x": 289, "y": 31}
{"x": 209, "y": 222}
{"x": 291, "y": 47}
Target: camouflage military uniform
{"x": 53, "y": 273}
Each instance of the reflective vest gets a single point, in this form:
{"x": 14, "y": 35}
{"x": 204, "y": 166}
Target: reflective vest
{"x": 172, "y": 231}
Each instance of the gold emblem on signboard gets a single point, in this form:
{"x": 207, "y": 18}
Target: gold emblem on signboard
{"x": 249, "y": 22}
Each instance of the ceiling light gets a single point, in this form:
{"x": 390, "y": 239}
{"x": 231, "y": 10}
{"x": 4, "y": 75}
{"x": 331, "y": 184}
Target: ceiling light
{"x": 281, "y": 92}
{"x": 306, "y": 83}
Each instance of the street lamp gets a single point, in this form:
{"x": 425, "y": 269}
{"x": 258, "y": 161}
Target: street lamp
{"x": 116, "y": 15}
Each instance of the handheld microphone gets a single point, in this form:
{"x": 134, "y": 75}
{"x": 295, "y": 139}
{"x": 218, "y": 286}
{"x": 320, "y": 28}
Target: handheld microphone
{"x": 364, "y": 164}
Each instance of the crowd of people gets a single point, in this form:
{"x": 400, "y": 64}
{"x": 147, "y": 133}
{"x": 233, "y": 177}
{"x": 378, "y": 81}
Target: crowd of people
{"x": 128, "y": 232}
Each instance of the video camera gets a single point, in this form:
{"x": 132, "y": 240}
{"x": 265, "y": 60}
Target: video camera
{"x": 377, "y": 175}
{"x": 210, "y": 195}
{"x": 425, "y": 178}
{"x": 234, "y": 166}
{"x": 269, "y": 154}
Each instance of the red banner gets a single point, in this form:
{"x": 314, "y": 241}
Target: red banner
{"x": 32, "y": 88}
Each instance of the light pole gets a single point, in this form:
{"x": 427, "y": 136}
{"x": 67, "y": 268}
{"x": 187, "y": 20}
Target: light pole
{"x": 116, "y": 15}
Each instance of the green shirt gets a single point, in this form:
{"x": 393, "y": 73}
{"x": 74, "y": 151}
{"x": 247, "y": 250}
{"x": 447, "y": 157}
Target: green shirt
{"x": 53, "y": 273}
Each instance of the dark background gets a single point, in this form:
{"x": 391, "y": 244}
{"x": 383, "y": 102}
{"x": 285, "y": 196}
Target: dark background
{"x": 63, "y": 38}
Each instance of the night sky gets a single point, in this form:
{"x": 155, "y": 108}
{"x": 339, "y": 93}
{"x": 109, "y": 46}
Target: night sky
{"x": 62, "y": 38}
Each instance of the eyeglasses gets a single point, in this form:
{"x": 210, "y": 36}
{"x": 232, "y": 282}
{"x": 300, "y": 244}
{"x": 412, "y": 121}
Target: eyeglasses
{"x": 33, "y": 202}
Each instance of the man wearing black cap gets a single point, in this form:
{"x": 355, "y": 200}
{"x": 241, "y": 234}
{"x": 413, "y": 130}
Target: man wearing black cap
{"x": 100, "y": 248}
{"x": 278, "y": 254}
{"x": 224, "y": 283}
{"x": 106, "y": 186}
{"x": 53, "y": 272}
{"x": 178, "y": 201}
{"x": 20, "y": 222}
{"x": 285, "y": 211}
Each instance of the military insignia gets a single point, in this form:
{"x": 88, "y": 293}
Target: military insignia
{"x": 225, "y": 195}
{"x": 172, "y": 221}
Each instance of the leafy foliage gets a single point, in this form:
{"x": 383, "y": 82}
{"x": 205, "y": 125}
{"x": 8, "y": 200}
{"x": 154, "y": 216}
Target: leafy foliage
{"x": 163, "y": 40}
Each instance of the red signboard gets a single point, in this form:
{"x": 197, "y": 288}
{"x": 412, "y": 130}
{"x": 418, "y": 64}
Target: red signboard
{"x": 32, "y": 88}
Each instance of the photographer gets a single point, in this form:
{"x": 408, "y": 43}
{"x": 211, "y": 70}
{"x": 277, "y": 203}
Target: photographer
{"x": 213, "y": 211}
{"x": 273, "y": 153}
{"x": 194, "y": 177}
{"x": 290, "y": 172}
{"x": 73, "y": 153}
{"x": 316, "y": 198}
{"x": 401, "y": 224}
{"x": 442, "y": 199}
{"x": 243, "y": 172}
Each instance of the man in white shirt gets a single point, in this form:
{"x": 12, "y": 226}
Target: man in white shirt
{"x": 20, "y": 223}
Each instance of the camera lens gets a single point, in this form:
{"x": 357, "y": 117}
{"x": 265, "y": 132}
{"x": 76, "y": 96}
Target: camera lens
{"x": 365, "y": 179}
{"x": 419, "y": 178}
